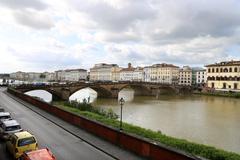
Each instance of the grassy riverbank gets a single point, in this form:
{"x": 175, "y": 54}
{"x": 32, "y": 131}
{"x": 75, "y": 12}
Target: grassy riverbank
{"x": 190, "y": 147}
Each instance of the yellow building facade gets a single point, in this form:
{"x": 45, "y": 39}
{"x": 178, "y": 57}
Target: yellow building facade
{"x": 224, "y": 75}
{"x": 104, "y": 72}
{"x": 162, "y": 73}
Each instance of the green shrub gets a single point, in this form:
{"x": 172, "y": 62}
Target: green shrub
{"x": 88, "y": 107}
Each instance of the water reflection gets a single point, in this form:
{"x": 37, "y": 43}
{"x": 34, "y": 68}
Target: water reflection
{"x": 87, "y": 93}
{"x": 41, "y": 94}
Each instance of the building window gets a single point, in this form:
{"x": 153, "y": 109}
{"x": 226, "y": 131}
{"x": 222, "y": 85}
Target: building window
{"x": 225, "y": 70}
{"x": 235, "y": 69}
{"x": 217, "y": 70}
{"x": 212, "y": 85}
{"x": 213, "y": 70}
{"x": 224, "y": 85}
{"x": 209, "y": 70}
{"x": 230, "y": 69}
{"x": 221, "y": 70}
{"x": 235, "y": 86}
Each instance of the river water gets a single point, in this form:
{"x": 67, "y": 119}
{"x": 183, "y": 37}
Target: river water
{"x": 207, "y": 120}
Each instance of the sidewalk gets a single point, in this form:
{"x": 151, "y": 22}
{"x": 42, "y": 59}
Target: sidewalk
{"x": 108, "y": 148}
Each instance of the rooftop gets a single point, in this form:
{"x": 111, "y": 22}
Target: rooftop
{"x": 104, "y": 65}
{"x": 8, "y": 123}
{"x": 23, "y": 134}
{"x": 41, "y": 154}
{"x": 225, "y": 63}
{"x": 71, "y": 70}
{"x": 163, "y": 65}
{"x": 4, "y": 114}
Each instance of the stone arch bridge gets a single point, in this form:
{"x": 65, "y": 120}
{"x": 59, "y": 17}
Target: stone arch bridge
{"x": 107, "y": 89}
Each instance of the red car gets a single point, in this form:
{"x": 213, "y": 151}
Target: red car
{"x": 41, "y": 154}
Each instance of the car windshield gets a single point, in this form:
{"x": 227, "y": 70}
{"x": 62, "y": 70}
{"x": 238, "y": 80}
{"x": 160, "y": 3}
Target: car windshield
{"x": 26, "y": 141}
{"x": 12, "y": 128}
{"x": 5, "y": 117}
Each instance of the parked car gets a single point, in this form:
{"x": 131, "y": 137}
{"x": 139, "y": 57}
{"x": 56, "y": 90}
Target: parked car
{"x": 41, "y": 154}
{"x": 9, "y": 127}
{"x": 4, "y": 115}
{"x": 20, "y": 142}
{"x": 2, "y": 120}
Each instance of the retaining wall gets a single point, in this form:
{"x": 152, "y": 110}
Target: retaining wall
{"x": 132, "y": 143}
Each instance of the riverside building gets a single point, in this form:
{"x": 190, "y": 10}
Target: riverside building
{"x": 185, "y": 76}
{"x": 201, "y": 77}
{"x": 224, "y": 75}
{"x": 104, "y": 72}
{"x": 161, "y": 73}
{"x": 131, "y": 74}
{"x": 71, "y": 75}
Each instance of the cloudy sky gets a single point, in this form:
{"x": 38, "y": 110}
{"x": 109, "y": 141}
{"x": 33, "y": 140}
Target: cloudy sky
{"x": 46, "y": 35}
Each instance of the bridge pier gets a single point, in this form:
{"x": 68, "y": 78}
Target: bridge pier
{"x": 65, "y": 94}
{"x": 114, "y": 92}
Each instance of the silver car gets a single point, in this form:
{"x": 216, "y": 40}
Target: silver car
{"x": 9, "y": 127}
{"x": 4, "y": 115}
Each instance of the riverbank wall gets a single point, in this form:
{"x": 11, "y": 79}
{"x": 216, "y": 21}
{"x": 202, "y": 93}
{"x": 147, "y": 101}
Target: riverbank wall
{"x": 219, "y": 94}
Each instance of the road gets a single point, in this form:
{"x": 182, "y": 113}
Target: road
{"x": 64, "y": 145}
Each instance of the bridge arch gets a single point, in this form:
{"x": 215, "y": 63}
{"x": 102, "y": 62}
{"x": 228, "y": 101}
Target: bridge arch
{"x": 85, "y": 93}
{"x": 101, "y": 92}
{"x": 40, "y": 94}
{"x": 139, "y": 90}
{"x": 55, "y": 95}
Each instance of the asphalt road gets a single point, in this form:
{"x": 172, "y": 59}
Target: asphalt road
{"x": 64, "y": 145}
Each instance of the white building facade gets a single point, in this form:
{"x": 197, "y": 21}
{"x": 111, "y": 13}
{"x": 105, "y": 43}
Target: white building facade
{"x": 185, "y": 76}
{"x": 132, "y": 74}
{"x": 71, "y": 75}
{"x": 147, "y": 74}
{"x": 201, "y": 77}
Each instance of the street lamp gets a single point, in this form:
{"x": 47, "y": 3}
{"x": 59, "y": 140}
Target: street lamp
{"x": 121, "y": 101}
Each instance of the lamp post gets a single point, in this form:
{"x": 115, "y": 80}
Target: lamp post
{"x": 121, "y": 101}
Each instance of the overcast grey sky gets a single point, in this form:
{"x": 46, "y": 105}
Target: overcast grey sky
{"x": 43, "y": 35}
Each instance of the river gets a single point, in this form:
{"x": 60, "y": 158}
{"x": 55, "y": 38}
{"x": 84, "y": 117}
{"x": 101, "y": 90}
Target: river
{"x": 207, "y": 120}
